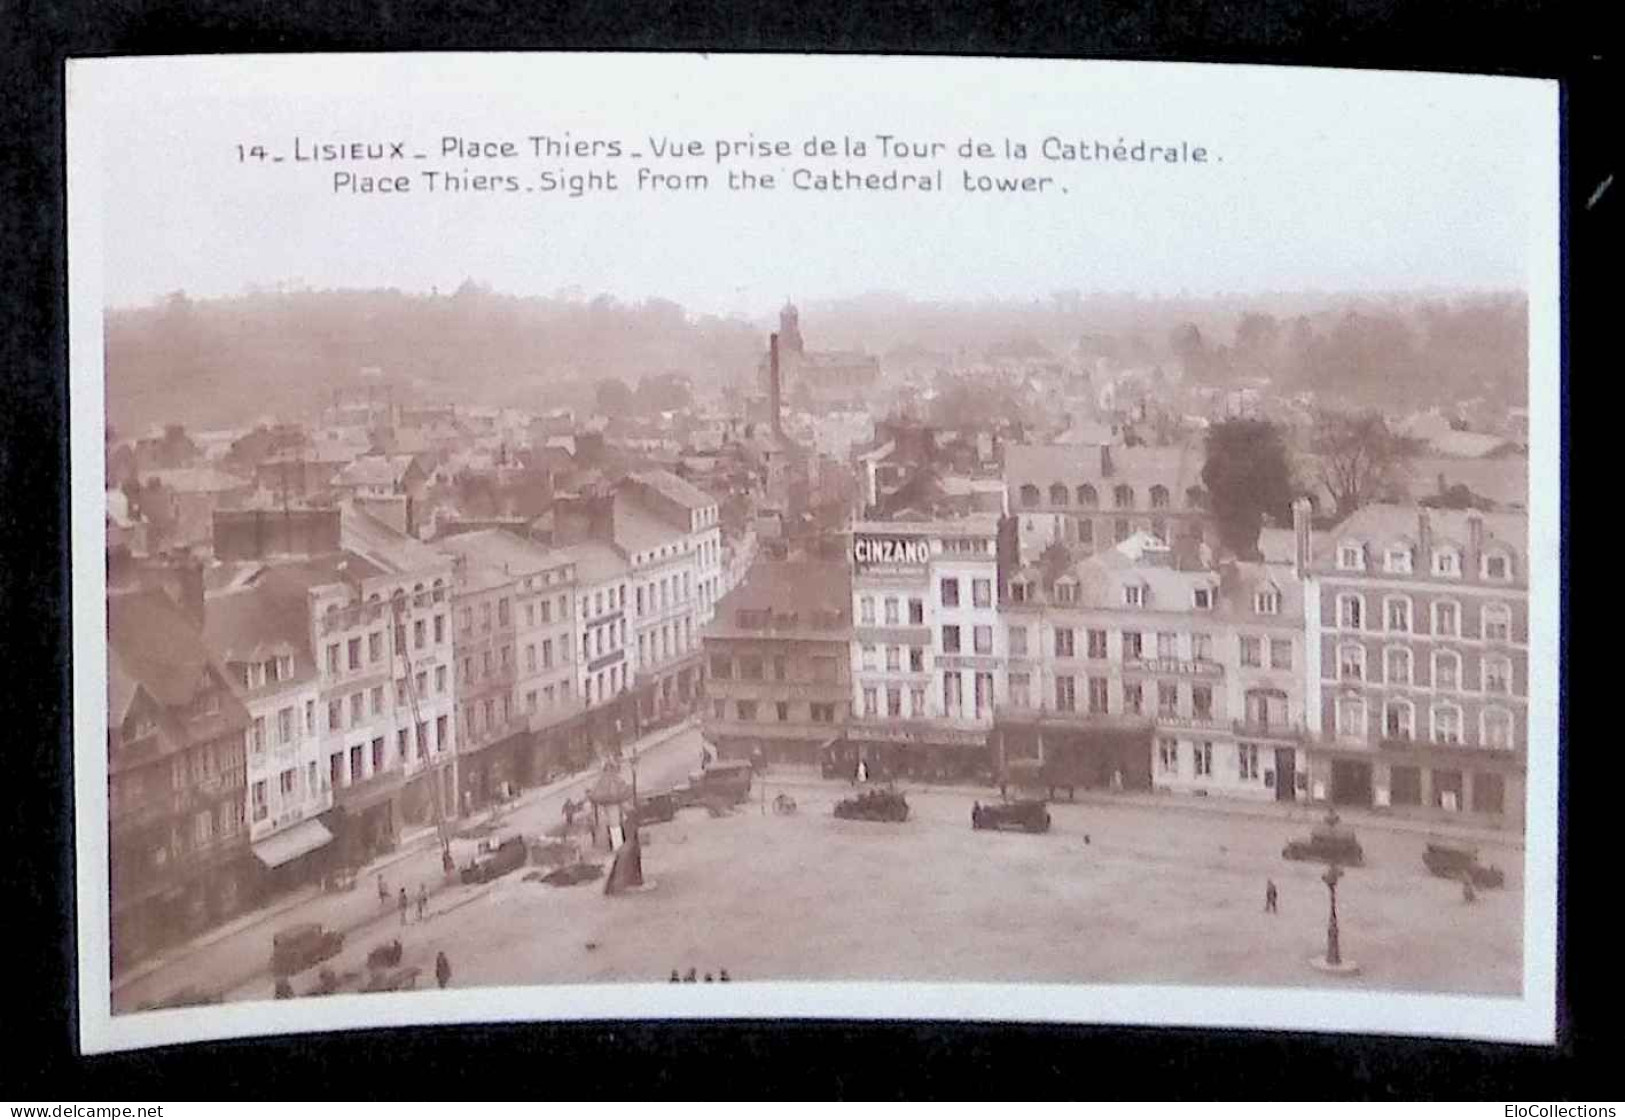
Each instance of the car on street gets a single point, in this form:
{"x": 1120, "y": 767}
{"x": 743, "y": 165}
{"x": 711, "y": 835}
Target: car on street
{"x": 1025, "y": 816}
{"x": 493, "y": 863}
{"x": 301, "y": 946}
{"x": 728, "y": 782}
{"x": 1328, "y": 843}
{"x": 1460, "y": 861}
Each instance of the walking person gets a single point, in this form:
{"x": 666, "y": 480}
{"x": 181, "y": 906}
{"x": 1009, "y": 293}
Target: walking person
{"x": 1270, "y": 896}
{"x": 423, "y": 900}
{"x": 383, "y": 892}
{"x": 402, "y": 904}
{"x": 442, "y": 969}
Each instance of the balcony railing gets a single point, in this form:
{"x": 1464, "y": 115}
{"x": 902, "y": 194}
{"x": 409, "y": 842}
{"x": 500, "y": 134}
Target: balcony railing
{"x": 1269, "y": 728}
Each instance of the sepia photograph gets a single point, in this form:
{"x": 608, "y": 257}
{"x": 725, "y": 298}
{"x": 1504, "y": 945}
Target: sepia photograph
{"x": 981, "y": 539}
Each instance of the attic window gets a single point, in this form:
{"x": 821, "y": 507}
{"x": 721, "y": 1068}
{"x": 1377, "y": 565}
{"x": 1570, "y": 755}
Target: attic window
{"x": 1202, "y": 597}
{"x": 1018, "y": 592}
{"x": 1267, "y": 602}
{"x": 1134, "y": 595}
{"x": 1497, "y": 566}
{"x": 1065, "y": 592}
{"x": 1351, "y": 557}
{"x": 1447, "y": 562}
{"x": 1397, "y": 559}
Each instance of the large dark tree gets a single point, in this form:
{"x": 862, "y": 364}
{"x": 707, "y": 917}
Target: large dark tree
{"x": 1358, "y": 458}
{"x": 1247, "y": 475}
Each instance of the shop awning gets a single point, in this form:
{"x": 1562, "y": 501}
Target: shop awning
{"x": 291, "y": 843}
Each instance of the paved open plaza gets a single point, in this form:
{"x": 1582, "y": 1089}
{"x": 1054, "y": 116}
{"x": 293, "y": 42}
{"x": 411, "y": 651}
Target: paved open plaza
{"x": 1117, "y": 892}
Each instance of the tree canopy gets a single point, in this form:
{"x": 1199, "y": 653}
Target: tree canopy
{"x": 1247, "y": 476}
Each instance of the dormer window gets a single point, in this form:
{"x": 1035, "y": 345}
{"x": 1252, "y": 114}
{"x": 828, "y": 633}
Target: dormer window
{"x": 1134, "y": 595}
{"x": 1065, "y": 592}
{"x": 1497, "y": 566}
{"x": 1018, "y": 592}
{"x": 1351, "y": 557}
{"x": 1267, "y": 602}
{"x": 1447, "y": 563}
{"x": 1202, "y": 597}
{"x": 1397, "y": 559}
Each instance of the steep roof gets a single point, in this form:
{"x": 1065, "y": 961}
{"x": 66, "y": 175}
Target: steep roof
{"x": 197, "y": 480}
{"x": 153, "y": 646}
{"x": 1379, "y": 524}
{"x": 376, "y": 470}
{"x": 379, "y": 544}
{"x": 675, "y": 489}
{"x": 502, "y": 550}
{"x": 596, "y": 563}
{"x": 258, "y": 622}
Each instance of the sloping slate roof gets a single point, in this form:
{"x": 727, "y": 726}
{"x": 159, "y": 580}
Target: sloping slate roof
{"x": 368, "y": 537}
{"x": 503, "y": 550}
{"x": 1177, "y": 468}
{"x": 804, "y": 586}
{"x": 1380, "y": 524}
{"x": 376, "y": 470}
{"x": 675, "y": 489}
{"x": 197, "y": 480}
{"x": 153, "y": 645}
{"x": 256, "y": 623}
{"x": 596, "y": 563}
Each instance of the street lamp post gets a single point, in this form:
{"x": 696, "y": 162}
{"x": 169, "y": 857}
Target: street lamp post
{"x": 1334, "y": 955}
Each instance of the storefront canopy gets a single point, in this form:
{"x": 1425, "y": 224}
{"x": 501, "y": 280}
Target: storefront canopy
{"x": 291, "y": 843}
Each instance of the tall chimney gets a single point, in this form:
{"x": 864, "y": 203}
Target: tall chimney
{"x": 1300, "y": 534}
{"x": 1475, "y": 545}
{"x": 1105, "y": 461}
{"x": 774, "y": 390}
{"x": 1424, "y": 541}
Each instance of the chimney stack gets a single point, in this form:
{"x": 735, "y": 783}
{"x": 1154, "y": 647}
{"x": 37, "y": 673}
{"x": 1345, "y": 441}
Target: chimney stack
{"x": 1105, "y": 461}
{"x": 1475, "y": 545}
{"x": 1424, "y": 540}
{"x": 1300, "y": 533}
{"x": 774, "y": 389}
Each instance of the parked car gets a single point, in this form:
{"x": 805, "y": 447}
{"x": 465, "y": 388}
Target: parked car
{"x": 298, "y": 947}
{"x": 1458, "y": 861}
{"x": 1328, "y": 843}
{"x": 1027, "y": 816}
{"x": 874, "y": 805}
{"x": 726, "y": 781}
{"x": 510, "y": 855}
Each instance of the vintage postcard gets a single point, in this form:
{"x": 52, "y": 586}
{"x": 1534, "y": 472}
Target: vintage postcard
{"x": 588, "y": 536}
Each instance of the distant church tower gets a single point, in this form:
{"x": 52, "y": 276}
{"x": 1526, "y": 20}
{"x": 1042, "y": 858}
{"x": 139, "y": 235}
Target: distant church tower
{"x": 790, "y": 328}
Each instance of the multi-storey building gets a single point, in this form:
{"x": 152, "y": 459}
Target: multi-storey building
{"x": 927, "y": 653}
{"x": 267, "y": 655}
{"x": 1418, "y": 627}
{"x": 1143, "y": 666}
{"x": 777, "y": 656}
{"x": 668, "y": 531}
{"x": 178, "y": 840}
{"x": 520, "y": 719}
{"x": 1090, "y": 497}
{"x": 604, "y": 664}
{"x": 379, "y": 612}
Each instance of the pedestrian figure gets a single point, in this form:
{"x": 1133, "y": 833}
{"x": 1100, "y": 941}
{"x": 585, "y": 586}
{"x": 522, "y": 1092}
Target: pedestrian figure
{"x": 1270, "y": 896}
{"x": 1468, "y": 894}
{"x": 383, "y": 892}
{"x": 1117, "y": 781}
{"x": 675, "y": 979}
{"x": 693, "y": 975}
{"x": 401, "y": 902}
{"x": 723, "y": 976}
{"x": 708, "y": 978}
{"x": 442, "y": 969}
{"x": 284, "y": 990}
{"x": 423, "y": 900}
{"x": 569, "y": 815}
{"x": 863, "y": 772}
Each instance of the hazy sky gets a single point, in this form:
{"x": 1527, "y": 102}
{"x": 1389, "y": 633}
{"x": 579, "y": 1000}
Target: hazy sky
{"x": 1316, "y": 179}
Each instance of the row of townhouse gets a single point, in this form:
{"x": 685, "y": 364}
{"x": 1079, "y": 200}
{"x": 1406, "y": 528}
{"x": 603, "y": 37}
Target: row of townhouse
{"x": 337, "y": 681}
{"x": 1384, "y": 664}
